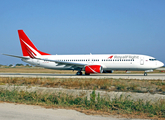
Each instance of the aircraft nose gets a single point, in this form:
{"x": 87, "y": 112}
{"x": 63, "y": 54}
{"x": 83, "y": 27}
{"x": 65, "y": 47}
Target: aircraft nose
{"x": 161, "y": 64}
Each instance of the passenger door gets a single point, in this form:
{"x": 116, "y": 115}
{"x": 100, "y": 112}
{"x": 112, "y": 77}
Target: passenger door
{"x": 141, "y": 60}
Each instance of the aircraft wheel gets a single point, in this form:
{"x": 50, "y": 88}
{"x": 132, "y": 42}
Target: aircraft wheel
{"x": 79, "y": 73}
{"x": 145, "y": 74}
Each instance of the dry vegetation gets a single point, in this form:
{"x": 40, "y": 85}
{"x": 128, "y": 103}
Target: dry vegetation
{"x": 108, "y": 84}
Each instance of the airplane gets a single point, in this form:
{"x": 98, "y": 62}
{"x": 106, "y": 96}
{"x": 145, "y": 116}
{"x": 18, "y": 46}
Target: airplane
{"x": 91, "y": 63}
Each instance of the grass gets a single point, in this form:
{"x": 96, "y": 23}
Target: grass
{"x": 108, "y": 84}
{"x": 97, "y": 104}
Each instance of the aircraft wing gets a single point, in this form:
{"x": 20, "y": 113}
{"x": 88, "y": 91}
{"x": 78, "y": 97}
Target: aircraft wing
{"x": 73, "y": 64}
{"x": 16, "y": 56}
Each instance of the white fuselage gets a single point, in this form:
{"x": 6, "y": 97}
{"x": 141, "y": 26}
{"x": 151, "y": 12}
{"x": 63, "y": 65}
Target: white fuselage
{"x": 107, "y": 61}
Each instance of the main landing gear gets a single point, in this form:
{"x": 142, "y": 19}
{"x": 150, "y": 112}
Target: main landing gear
{"x": 79, "y": 72}
{"x": 145, "y": 74}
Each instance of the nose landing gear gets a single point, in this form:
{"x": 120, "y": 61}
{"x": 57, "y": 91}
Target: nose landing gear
{"x": 145, "y": 73}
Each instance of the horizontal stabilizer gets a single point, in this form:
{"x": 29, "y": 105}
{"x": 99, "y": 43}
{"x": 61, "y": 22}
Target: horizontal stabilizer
{"x": 16, "y": 56}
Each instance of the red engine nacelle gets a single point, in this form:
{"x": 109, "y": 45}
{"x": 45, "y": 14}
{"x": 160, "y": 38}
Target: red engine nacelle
{"x": 93, "y": 69}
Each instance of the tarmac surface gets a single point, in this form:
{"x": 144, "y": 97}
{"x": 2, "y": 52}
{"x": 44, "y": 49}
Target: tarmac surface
{"x": 151, "y": 76}
{"x": 11, "y": 111}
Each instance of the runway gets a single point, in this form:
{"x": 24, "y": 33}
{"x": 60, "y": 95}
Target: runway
{"x": 151, "y": 76}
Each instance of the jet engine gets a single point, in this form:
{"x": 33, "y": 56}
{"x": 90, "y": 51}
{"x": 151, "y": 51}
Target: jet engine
{"x": 93, "y": 69}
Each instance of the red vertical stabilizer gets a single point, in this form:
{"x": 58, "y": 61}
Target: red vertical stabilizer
{"x": 28, "y": 48}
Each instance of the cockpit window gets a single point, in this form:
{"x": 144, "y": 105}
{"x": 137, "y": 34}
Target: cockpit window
{"x": 152, "y": 59}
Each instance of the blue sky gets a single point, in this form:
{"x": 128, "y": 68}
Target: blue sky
{"x": 83, "y": 27}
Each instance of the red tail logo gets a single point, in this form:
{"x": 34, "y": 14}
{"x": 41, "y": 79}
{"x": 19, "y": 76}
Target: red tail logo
{"x": 28, "y": 48}
{"x": 111, "y": 57}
